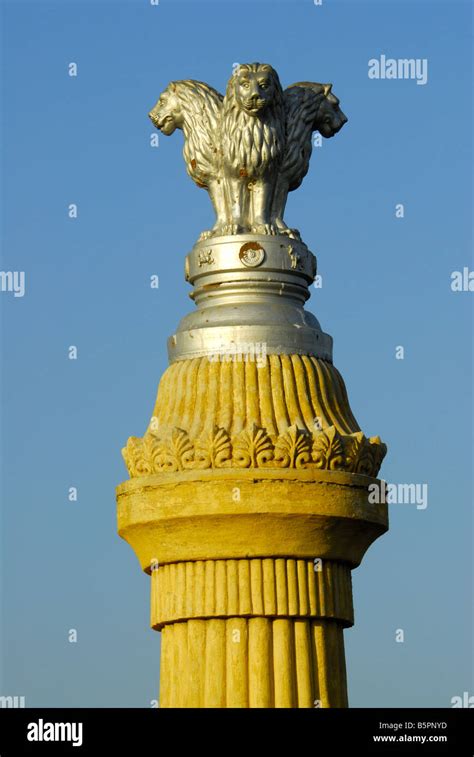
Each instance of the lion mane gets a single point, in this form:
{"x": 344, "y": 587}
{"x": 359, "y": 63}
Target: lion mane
{"x": 303, "y": 101}
{"x": 251, "y": 144}
{"x": 309, "y": 106}
{"x": 201, "y": 109}
{"x": 301, "y": 105}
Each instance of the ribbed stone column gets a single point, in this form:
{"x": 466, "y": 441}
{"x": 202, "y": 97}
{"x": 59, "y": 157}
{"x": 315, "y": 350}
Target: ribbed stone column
{"x": 252, "y": 633}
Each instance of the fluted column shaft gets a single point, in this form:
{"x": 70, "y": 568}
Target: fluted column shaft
{"x": 252, "y": 633}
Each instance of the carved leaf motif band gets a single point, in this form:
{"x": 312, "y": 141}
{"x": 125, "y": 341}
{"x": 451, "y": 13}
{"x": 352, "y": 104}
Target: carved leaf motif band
{"x": 255, "y": 448}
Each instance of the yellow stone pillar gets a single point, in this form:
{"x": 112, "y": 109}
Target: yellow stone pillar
{"x": 248, "y": 500}
{"x": 249, "y": 534}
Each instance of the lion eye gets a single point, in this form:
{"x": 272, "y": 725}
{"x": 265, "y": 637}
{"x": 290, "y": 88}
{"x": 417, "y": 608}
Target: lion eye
{"x": 245, "y": 84}
{"x": 264, "y": 84}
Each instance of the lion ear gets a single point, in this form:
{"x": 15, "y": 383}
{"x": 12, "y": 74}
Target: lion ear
{"x": 327, "y": 89}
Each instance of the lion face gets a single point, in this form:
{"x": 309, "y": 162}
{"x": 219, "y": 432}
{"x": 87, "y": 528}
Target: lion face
{"x": 254, "y": 89}
{"x": 330, "y": 117}
{"x": 167, "y": 113}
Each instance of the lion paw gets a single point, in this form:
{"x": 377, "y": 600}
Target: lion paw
{"x": 206, "y": 235}
{"x": 292, "y": 233}
{"x": 281, "y": 225}
{"x": 264, "y": 228}
{"x": 233, "y": 228}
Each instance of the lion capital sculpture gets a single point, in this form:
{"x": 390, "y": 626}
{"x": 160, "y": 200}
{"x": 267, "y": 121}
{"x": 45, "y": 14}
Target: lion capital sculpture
{"x": 251, "y": 147}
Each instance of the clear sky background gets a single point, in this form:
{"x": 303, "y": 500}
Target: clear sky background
{"x": 386, "y": 283}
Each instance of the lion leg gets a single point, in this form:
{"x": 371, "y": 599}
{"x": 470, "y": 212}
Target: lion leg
{"x": 235, "y": 204}
{"x": 262, "y": 222}
{"x": 278, "y": 206}
{"x": 217, "y": 195}
{"x": 278, "y": 209}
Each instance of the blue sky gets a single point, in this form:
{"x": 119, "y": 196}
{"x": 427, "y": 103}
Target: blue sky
{"x": 386, "y": 283}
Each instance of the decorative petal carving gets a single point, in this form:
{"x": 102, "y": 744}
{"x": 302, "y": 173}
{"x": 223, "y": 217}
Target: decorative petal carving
{"x": 379, "y": 452}
{"x": 359, "y": 456}
{"x": 293, "y": 448}
{"x": 328, "y": 450}
{"x": 364, "y": 455}
{"x": 255, "y": 448}
{"x": 151, "y": 451}
{"x": 135, "y": 458}
{"x": 213, "y": 449}
{"x": 174, "y": 453}
{"x": 252, "y": 448}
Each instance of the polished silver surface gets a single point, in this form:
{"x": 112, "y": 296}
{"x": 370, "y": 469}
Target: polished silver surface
{"x": 250, "y": 147}
{"x": 250, "y": 292}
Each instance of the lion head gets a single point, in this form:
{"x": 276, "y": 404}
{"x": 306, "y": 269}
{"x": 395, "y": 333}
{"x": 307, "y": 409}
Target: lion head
{"x": 254, "y": 86}
{"x": 330, "y": 118}
{"x": 167, "y": 114}
{"x": 194, "y": 108}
